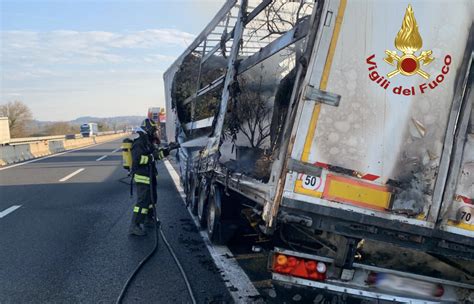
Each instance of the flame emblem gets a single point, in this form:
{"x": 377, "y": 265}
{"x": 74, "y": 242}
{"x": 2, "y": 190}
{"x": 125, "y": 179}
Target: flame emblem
{"x": 408, "y": 41}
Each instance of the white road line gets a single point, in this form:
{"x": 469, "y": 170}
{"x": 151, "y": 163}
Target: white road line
{"x": 53, "y": 155}
{"x": 101, "y": 158}
{"x": 71, "y": 175}
{"x": 104, "y": 156}
{"x": 238, "y": 283}
{"x": 9, "y": 210}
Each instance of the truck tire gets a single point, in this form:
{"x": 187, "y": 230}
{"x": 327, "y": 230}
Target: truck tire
{"x": 187, "y": 187}
{"x": 192, "y": 195}
{"x": 214, "y": 213}
{"x": 202, "y": 202}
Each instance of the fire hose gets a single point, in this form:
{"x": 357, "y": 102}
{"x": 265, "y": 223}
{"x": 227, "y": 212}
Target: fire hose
{"x": 158, "y": 232}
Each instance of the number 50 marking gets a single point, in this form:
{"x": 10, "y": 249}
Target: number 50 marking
{"x": 311, "y": 182}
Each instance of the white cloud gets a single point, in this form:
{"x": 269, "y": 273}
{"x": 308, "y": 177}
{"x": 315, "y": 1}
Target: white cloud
{"x": 91, "y": 47}
{"x": 153, "y": 38}
{"x": 159, "y": 58}
{"x": 93, "y": 72}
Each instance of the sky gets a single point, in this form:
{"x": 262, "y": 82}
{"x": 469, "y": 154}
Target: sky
{"x": 102, "y": 58}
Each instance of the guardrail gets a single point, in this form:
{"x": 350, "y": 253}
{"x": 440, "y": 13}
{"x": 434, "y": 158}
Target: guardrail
{"x": 40, "y": 146}
{"x": 24, "y": 140}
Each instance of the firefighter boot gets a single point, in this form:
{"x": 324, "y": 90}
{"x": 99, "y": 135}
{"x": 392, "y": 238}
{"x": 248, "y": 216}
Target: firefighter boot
{"x": 150, "y": 217}
{"x": 135, "y": 227}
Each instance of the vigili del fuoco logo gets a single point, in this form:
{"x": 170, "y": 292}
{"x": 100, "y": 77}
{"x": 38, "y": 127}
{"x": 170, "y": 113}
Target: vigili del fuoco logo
{"x": 410, "y": 64}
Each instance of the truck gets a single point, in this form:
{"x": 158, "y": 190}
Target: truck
{"x": 158, "y": 115}
{"x": 154, "y": 114}
{"x": 342, "y": 128}
{"x": 89, "y": 129}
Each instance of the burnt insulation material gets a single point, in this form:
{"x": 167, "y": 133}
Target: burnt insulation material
{"x": 185, "y": 84}
{"x": 258, "y": 120}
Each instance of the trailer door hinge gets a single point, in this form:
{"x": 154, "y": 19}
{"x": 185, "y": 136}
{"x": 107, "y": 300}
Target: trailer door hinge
{"x": 332, "y": 99}
{"x": 328, "y": 19}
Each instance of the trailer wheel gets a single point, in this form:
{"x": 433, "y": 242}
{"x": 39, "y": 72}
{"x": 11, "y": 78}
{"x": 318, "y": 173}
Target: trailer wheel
{"x": 202, "y": 202}
{"x": 192, "y": 193}
{"x": 187, "y": 187}
{"x": 214, "y": 213}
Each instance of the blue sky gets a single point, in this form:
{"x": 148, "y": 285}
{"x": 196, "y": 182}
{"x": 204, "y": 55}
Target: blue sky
{"x": 71, "y": 58}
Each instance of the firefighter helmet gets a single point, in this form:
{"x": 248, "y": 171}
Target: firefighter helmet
{"x": 149, "y": 126}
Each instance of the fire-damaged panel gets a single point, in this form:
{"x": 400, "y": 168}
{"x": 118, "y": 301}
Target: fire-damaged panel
{"x": 255, "y": 117}
{"x": 395, "y": 68}
{"x": 333, "y": 123}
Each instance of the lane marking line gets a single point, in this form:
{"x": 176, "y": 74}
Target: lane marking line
{"x": 71, "y": 175}
{"x": 53, "y": 155}
{"x": 101, "y": 158}
{"x": 236, "y": 280}
{"x": 9, "y": 210}
{"x": 106, "y": 155}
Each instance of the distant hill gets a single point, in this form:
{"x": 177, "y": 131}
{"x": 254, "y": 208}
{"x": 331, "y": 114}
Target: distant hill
{"x": 118, "y": 120}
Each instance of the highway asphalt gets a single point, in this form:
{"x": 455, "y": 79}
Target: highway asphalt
{"x": 63, "y": 235}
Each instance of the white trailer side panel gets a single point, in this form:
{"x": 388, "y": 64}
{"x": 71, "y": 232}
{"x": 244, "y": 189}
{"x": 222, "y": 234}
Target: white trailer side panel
{"x": 390, "y": 129}
{"x": 374, "y": 130}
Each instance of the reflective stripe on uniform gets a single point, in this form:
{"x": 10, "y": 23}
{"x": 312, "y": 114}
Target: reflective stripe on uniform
{"x": 144, "y": 160}
{"x": 144, "y": 211}
{"x": 141, "y": 179}
{"x": 136, "y": 209}
{"x": 150, "y": 206}
{"x": 162, "y": 155}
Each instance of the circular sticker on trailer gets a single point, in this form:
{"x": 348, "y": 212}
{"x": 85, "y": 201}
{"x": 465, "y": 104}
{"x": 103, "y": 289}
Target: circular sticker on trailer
{"x": 465, "y": 215}
{"x": 311, "y": 182}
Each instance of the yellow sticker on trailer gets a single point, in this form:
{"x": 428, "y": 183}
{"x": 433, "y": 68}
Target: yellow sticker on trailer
{"x": 346, "y": 190}
{"x": 461, "y": 225}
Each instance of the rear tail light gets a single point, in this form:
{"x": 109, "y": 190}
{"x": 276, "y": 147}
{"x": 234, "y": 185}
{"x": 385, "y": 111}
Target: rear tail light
{"x": 298, "y": 267}
{"x": 321, "y": 267}
{"x": 391, "y": 282}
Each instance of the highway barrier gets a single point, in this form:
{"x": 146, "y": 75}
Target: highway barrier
{"x": 10, "y": 154}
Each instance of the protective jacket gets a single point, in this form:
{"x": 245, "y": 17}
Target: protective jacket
{"x": 143, "y": 155}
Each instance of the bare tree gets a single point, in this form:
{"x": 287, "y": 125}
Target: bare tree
{"x": 277, "y": 18}
{"x": 61, "y": 128}
{"x": 18, "y": 115}
{"x": 251, "y": 114}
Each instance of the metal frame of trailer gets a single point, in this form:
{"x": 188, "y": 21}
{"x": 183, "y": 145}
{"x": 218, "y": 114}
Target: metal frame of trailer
{"x": 317, "y": 213}
{"x": 358, "y": 286}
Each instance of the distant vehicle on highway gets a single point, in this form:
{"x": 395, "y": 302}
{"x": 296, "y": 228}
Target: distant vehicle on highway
{"x": 89, "y": 129}
{"x": 154, "y": 114}
{"x": 158, "y": 115}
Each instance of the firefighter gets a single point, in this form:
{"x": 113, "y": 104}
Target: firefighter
{"x": 144, "y": 153}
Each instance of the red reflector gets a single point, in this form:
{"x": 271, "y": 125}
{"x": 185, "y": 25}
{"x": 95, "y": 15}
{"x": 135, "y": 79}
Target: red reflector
{"x": 370, "y": 177}
{"x": 439, "y": 292}
{"x": 292, "y": 262}
{"x": 322, "y": 165}
{"x": 311, "y": 266}
{"x": 299, "y": 267}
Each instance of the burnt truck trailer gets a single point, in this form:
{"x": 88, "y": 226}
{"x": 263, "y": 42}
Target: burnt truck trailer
{"x": 345, "y": 128}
